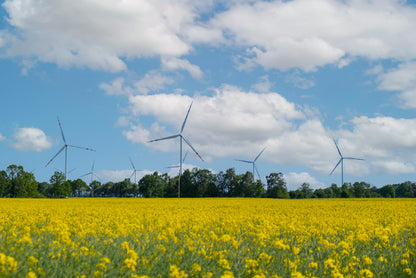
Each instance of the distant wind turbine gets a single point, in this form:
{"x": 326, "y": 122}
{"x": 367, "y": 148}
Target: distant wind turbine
{"x": 181, "y": 137}
{"x": 65, "y": 147}
{"x": 341, "y": 161}
{"x": 183, "y": 161}
{"x": 134, "y": 171}
{"x": 91, "y": 173}
{"x": 254, "y": 163}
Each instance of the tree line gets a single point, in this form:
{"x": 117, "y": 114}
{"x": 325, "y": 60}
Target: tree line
{"x": 17, "y": 183}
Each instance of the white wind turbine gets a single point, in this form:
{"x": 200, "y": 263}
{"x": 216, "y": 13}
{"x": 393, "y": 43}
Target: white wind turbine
{"x": 91, "y": 173}
{"x": 65, "y": 147}
{"x": 341, "y": 161}
{"x": 181, "y": 137}
{"x": 254, "y": 163}
{"x": 183, "y": 161}
{"x": 134, "y": 171}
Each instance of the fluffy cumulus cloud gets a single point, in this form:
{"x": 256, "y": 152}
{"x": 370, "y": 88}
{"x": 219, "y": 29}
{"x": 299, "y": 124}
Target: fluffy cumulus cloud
{"x": 31, "y": 139}
{"x": 2, "y": 138}
{"x": 307, "y": 34}
{"x": 295, "y": 180}
{"x": 401, "y": 79}
{"x": 231, "y": 123}
{"x": 303, "y": 34}
{"x": 385, "y": 143}
{"x": 234, "y": 123}
{"x": 120, "y": 175}
{"x": 152, "y": 81}
{"x": 98, "y": 34}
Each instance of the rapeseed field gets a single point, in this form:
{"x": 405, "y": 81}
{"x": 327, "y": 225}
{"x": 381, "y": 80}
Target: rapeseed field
{"x": 207, "y": 238}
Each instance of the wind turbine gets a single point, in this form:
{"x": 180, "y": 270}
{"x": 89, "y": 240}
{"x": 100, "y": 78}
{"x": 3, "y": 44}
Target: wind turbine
{"x": 253, "y": 162}
{"x": 134, "y": 171}
{"x": 181, "y": 138}
{"x": 183, "y": 161}
{"x": 65, "y": 147}
{"x": 341, "y": 160}
{"x": 92, "y": 173}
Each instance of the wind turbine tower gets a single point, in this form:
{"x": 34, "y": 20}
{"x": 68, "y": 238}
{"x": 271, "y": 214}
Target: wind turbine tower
{"x": 65, "y": 147}
{"x": 91, "y": 173}
{"x": 341, "y": 161}
{"x": 254, "y": 163}
{"x": 181, "y": 138}
{"x": 134, "y": 171}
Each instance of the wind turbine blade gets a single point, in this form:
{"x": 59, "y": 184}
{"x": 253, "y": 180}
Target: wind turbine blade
{"x": 246, "y": 161}
{"x": 84, "y": 148}
{"x": 353, "y": 158}
{"x": 96, "y": 176}
{"x": 336, "y": 166}
{"x": 69, "y": 172}
{"x": 257, "y": 171}
{"x": 62, "y": 132}
{"x": 132, "y": 174}
{"x": 92, "y": 168}
{"x": 176, "y": 166}
{"x": 186, "y": 154}
{"x": 164, "y": 138}
{"x": 259, "y": 155}
{"x": 189, "y": 144}
{"x": 184, "y": 122}
{"x": 132, "y": 165}
{"x": 85, "y": 174}
{"x": 55, "y": 155}
{"x": 336, "y": 145}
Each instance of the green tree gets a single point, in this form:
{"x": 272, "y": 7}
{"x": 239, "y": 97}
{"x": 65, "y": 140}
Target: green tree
{"x": 30, "y": 185}
{"x": 276, "y": 186}
{"x": 77, "y": 186}
{"x": 153, "y": 185}
{"x": 60, "y": 187}
{"x": 16, "y": 185}
{"x": 202, "y": 178}
{"x": 387, "y": 191}
{"x": 188, "y": 187}
{"x": 4, "y": 182}
{"x": 93, "y": 187}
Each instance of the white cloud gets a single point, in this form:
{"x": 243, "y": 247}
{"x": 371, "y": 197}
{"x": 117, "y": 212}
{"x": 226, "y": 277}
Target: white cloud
{"x": 116, "y": 87}
{"x": 122, "y": 121}
{"x": 299, "y": 81}
{"x": 98, "y": 35}
{"x": 263, "y": 85}
{"x": 385, "y": 143}
{"x": 403, "y": 80}
{"x": 172, "y": 63}
{"x": 233, "y": 123}
{"x": 307, "y": 34}
{"x": 303, "y": 34}
{"x": 120, "y": 175}
{"x": 295, "y": 180}
{"x": 31, "y": 139}
{"x": 2, "y": 138}
{"x": 152, "y": 81}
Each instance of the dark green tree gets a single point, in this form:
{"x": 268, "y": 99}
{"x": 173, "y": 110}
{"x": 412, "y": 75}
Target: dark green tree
{"x": 188, "y": 187}
{"x": 77, "y": 186}
{"x": 4, "y": 183}
{"x": 276, "y": 186}
{"x": 16, "y": 185}
{"x": 60, "y": 187}
{"x": 387, "y": 191}
{"x": 203, "y": 179}
{"x": 153, "y": 185}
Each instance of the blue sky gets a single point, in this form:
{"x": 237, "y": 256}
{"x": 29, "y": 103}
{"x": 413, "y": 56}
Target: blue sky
{"x": 287, "y": 76}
